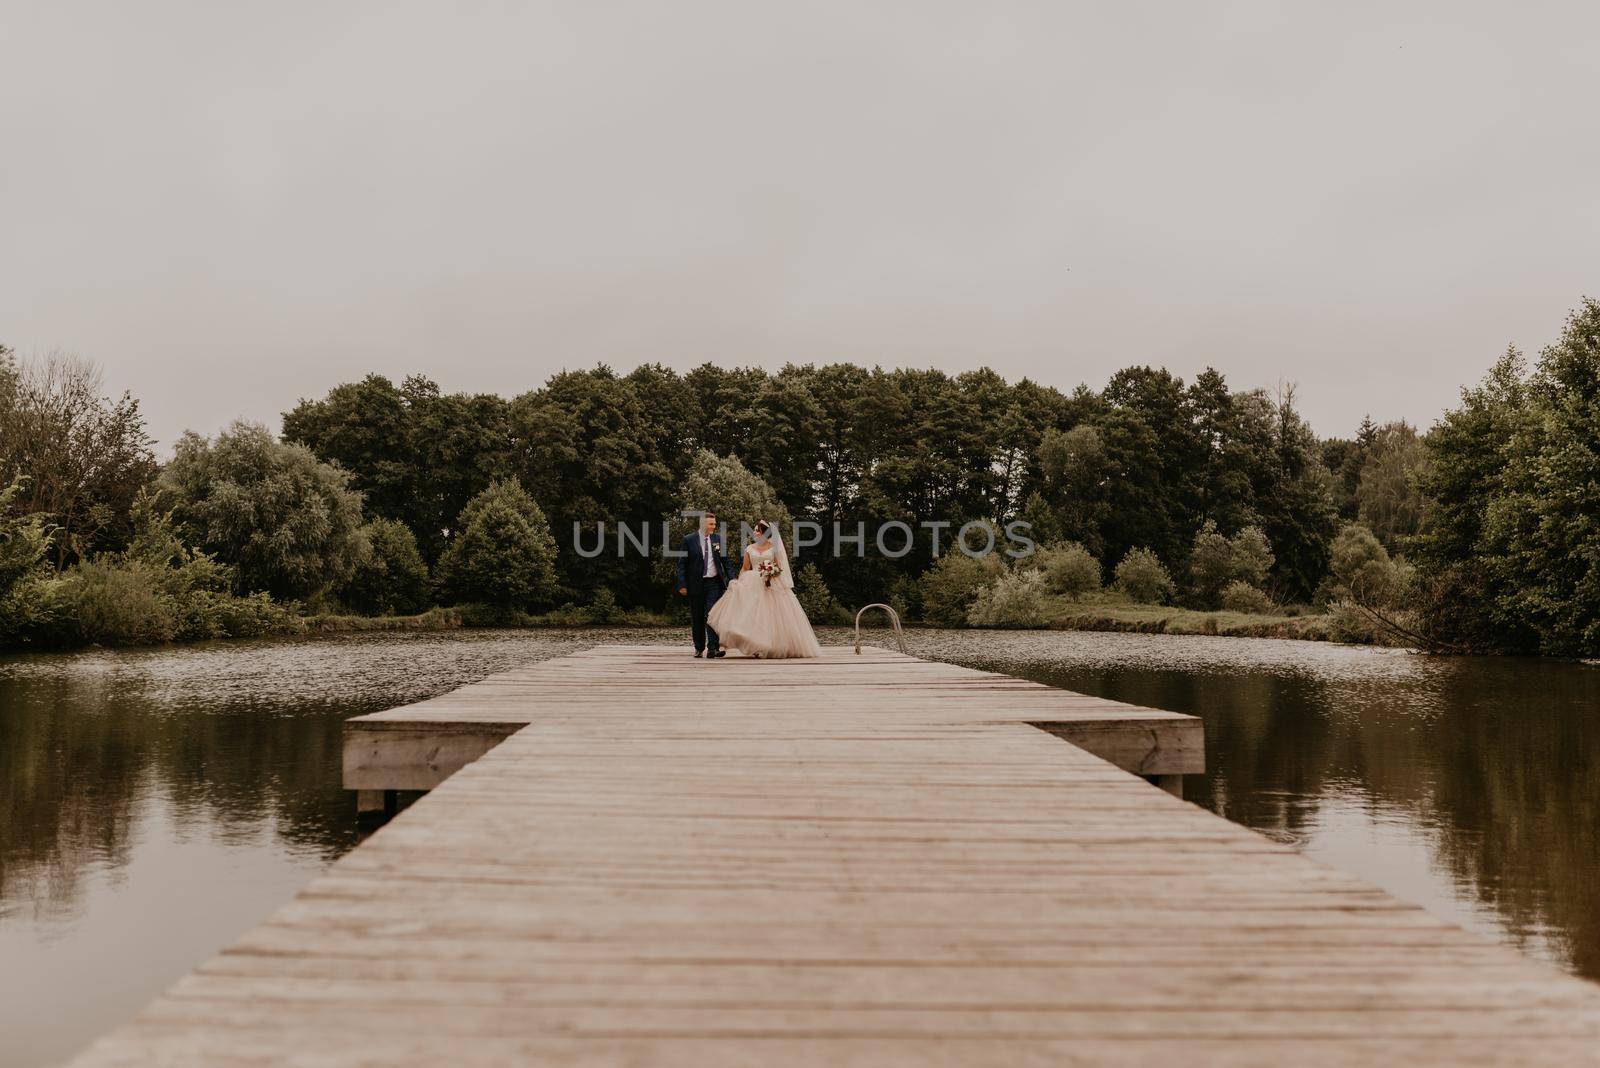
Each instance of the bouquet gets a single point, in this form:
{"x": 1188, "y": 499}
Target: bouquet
{"x": 769, "y": 570}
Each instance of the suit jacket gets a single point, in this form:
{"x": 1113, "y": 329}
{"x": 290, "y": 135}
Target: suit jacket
{"x": 692, "y": 566}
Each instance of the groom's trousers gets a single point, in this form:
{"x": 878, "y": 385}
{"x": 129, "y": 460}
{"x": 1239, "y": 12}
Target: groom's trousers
{"x": 705, "y": 638}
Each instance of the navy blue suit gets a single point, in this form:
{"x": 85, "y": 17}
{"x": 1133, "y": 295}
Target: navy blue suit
{"x": 703, "y": 590}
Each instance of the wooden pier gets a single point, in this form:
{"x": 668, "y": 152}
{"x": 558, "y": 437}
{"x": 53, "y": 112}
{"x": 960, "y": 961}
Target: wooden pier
{"x": 633, "y": 857}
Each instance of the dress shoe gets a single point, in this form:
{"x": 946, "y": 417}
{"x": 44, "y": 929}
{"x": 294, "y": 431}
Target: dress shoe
{"x": 719, "y": 653}
{"x": 698, "y": 654}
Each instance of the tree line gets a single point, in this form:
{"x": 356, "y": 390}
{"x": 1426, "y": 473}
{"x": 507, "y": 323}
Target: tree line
{"x": 1482, "y": 533}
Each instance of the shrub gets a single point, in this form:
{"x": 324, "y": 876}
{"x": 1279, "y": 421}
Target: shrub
{"x": 951, "y": 585}
{"x": 815, "y": 598}
{"x": 391, "y": 578}
{"x": 1252, "y": 556}
{"x": 158, "y": 590}
{"x": 25, "y": 594}
{"x": 724, "y": 486}
{"x": 1015, "y": 599}
{"x": 1216, "y": 561}
{"x": 1240, "y": 596}
{"x": 280, "y": 518}
{"x": 504, "y": 556}
{"x": 1142, "y": 577}
{"x": 1347, "y": 623}
{"x": 603, "y": 608}
{"x": 1360, "y": 568}
{"x": 112, "y": 602}
{"x": 1069, "y": 569}
{"x": 905, "y": 597}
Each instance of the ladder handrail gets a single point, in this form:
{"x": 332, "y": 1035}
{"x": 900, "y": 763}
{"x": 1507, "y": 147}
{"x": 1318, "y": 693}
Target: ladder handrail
{"x": 894, "y": 617}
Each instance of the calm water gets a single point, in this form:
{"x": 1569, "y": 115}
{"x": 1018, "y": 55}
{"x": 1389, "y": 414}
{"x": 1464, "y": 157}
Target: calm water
{"x": 155, "y": 804}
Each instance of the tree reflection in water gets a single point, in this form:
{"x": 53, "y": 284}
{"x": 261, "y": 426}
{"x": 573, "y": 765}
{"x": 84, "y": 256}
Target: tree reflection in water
{"x": 1471, "y": 786}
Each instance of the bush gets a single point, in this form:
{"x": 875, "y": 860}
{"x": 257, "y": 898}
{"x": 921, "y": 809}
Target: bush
{"x": 25, "y": 593}
{"x": 1252, "y": 556}
{"x": 603, "y": 608}
{"x": 392, "y": 578}
{"x": 1069, "y": 569}
{"x": 1215, "y": 562}
{"x": 1240, "y": 596}
{"x": 815, "y": 598}
{"x": 951, "y": 585}
{"x": 1360, "y": 569}
{"x": 504, "y": 556}
{"x": 159, "y": 590}
{"x": 1143, "y": 578}
{"x": 280, "y": 518}
{"x": 112, "y": 602}
{"x": 1015, "y": 599}
{"x": 1347, "y": 623}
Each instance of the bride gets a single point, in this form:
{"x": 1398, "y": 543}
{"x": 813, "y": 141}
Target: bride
{"x": 760, "y": 615}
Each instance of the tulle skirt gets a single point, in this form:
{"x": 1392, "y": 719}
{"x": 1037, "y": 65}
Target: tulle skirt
{"x": 762, "y": 620}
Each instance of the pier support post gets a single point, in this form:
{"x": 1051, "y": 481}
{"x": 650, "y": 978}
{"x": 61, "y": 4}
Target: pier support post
{"x": 1172, "y": 784}
{"x": 376, "y": 802}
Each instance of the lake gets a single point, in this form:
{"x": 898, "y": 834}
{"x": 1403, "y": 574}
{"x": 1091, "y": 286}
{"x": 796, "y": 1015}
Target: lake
{"x": 156, "y": 803}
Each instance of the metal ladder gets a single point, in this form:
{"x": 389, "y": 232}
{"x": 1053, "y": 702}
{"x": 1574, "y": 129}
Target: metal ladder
{"x": 894, "y": 617}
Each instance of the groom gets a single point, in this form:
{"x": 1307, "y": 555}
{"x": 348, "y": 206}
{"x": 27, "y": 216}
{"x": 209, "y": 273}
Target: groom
{"x": 703, "y": 574}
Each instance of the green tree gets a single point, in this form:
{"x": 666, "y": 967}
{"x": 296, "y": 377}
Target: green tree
{"x": 951, "y": 586}
{"x": 588, "y": 444}
{"x": 1541, "y": 532}
{"x": 1142, "y": 577}
{"x": 1069, "y": 568}
{"x": 504, "y": 556}
{"x": 819, "y": 604}
{"x": 725, "y": 486}
{"x": 24, "y": 598}
{"x": 1077, "y": 477}
{"x": 391, "y": 578}
{"x": 1014, "y": 599}
{"x": 284, "y": 521}
{"x": 417, "y": 455}
{"x": 84, "y": 456}
{"x": 1465, "y": 598}
{"x": 1295, "y": 503}
{"x": 1238, "y": 596}
{"x": 1388, "y": 499}
{"x": 1360, "y": 568}
{"x": 1217, "y": 562}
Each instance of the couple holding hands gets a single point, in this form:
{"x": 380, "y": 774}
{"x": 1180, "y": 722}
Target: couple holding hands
{"x": 755, "y": 611}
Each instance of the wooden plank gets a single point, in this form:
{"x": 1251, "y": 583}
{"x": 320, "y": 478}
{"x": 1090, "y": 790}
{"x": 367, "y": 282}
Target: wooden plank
{"x": 851, "y": 861}
{"x": 417, "y": 746}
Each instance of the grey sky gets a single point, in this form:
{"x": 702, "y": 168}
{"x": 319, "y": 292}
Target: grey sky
{"x": 231, "y": 206}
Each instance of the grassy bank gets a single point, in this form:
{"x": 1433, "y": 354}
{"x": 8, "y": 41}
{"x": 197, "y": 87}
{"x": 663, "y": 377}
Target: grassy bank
{"x": 1108, "y": 614}
{"x": 474, "y": 616}
{"x": 1067, "y": 615}
{"x": 1166, "y": 619}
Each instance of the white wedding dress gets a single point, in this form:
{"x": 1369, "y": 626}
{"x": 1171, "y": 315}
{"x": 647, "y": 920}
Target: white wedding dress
{"x": 762, "y": 619}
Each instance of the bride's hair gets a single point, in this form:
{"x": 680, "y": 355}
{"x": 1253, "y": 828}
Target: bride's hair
{"x": 761, "y": 525}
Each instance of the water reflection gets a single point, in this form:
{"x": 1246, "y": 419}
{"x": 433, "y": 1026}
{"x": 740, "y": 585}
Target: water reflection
{"x": 154, "y": 804}
{"x": 1471, "y": 786}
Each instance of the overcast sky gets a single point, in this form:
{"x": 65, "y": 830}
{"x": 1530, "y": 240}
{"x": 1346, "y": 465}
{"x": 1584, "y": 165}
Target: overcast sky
{"x": 232, "y": 206}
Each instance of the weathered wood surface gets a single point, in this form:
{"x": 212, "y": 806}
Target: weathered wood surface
{"x": 834, "y": 863}
{"x": 418, "y": 746}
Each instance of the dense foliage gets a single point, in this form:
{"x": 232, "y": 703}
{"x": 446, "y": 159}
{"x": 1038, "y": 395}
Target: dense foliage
{"x": 1144, "y": 462}
{"x": 1481, "y": 533}
{"x": 390, "y": 577}
{"x": 1509, "y": 554}
{"x": 81, "y": 457}
{"x": 503, "y": 556}
{"x": 287, "y": 523}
